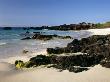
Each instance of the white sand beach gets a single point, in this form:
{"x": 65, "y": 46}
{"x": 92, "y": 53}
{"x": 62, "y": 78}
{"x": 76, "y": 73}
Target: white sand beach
{"x": 42, "y": 74}
{"x": 8, "y": 73}
{"x": 104, "y": 31}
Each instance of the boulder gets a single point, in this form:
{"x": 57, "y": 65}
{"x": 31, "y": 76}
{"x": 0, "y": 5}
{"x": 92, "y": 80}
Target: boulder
{"x": 25, "y": 51}
{"x": 105, "y": 62}
{"x": 40, "y": 60}
{"x": 19, "y": 64}
{"x": 56, "y": 50}
{"x": 29, "y": 64}
{"x": 76, "y": 69}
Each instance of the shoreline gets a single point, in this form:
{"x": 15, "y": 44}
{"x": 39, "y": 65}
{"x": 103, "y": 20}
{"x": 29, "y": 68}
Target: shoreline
{"x": 25, "y": 58}
{"x": 42, "y": 74}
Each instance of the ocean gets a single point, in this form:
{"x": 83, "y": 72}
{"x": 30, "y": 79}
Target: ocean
{"x": 11, "y": 44}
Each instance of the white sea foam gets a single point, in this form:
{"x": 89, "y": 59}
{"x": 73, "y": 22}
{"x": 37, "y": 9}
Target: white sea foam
{"x": 15, "y": 48}
{"x": 2, "y": 43}
{"x": 43, "y": 43}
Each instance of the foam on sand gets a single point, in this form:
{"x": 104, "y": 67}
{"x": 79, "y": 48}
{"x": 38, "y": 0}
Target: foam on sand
{"x": 24, "y": 58}
{"x": 95, "y": 74}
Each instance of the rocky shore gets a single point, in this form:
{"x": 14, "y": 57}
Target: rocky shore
{"x": 39, "y": 36}
{"x": 95, "y": 49}
{"x": 90, "y": 64}
{"x": 97, "y": 45}
{"x": 84, "y": 45}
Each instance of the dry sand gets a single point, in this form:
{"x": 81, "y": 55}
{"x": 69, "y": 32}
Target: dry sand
{"x": 8, "y": 73}
{"x": 104, "y": 31}
{"x": 42, "y": 74}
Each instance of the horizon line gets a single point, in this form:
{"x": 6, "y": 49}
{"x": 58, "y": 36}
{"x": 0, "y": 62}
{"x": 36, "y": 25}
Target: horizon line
{"x": 46, "y": 25}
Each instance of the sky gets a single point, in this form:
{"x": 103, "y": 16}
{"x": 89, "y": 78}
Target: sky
{"x": 52, "y": 12}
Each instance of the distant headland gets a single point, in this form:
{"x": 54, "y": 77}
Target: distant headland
{"x": 65, "y": 27}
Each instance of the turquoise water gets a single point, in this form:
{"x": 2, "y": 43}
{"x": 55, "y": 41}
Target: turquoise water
{"x": 12, "y": 45}
{"x": 18, "y": 33}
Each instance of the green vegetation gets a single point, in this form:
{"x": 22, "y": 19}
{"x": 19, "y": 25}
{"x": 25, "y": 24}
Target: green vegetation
{"x": 107, "y": 24}
{"x": 99, "y": 25}
{"x": 19, "y": 64}
{"x": 102, "y": 25}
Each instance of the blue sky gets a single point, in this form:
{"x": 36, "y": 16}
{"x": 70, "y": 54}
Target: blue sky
{"x": 52, "y": 12}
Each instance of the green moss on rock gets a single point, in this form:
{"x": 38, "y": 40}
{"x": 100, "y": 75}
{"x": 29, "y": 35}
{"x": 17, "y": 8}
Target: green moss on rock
{"x": 19, "y": 64}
